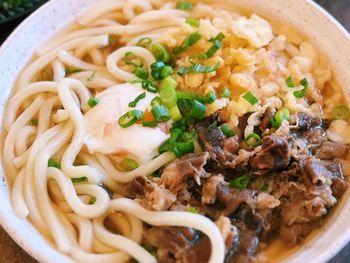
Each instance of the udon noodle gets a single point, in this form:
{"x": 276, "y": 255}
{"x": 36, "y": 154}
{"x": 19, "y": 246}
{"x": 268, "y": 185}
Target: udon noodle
{"x": 66, "y": 178}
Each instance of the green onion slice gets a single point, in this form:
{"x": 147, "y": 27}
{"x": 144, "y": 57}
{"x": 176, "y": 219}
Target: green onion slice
{"x": 78, "y": 180}
{"x": 137, "y": 99}
{"x": 160, "y": 113}
{"x": 92, "y": 200}
{"x": 130, "y": 118}
{"x": 197, "y": 68}
{"x": 156, "y": 69}
{"x": 282, "y": 115}
{"x": 189, "y": 41}
{"x": 129, "y": 164}
{"x": 340, "y": 113}
{"x": 168, "y": 82}
{"x": 112, "y": 40}
{"x": 209, "y": 98}
{"x": 69, "y": 71}
{"x": 226, "y": 93}
{"x": 193, "y": 210}
{"x": 141, "y": 73}
{"x": 250, "y": 97}
{"x": 149, "y": 86}
{"x": 144, "y": 42}
{"x": 128, "y": 59}
{"x": 264, "y": 188}
{"x": 175, "y": 113}
{"x": 34, "y": 122}
{"x": 156, "y": 101}
{"x": 253, "y": 139}
{"x": 149, "y": 123}
{"x": 290, "y": 82}
{"x": 227, "y": 131}
{"x": 241, "y": 182}
{"x": 192, "y": 108}
{"x": 192, "y": 22}
{"x": 302, "y": 93}
{"x": 53, "y": 163}
{"x": 184, "y": 5}
{"x": 160, "y": 52}
{"x": 91, "y": 77}
{"x": 93, "y": 101}
{"x": 168, "y": 96}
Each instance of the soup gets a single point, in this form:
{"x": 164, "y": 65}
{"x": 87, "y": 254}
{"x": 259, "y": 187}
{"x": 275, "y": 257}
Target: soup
{"x": 175, "y": 132}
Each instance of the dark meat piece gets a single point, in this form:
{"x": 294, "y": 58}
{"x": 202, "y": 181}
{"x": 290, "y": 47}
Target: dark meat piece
{"x": 316, "y": 171}
{"x": 315, "y": 138}
{"x": 275, "y": 155}
{"x": 153, "y": 196}
{"x": 339, "y": 185}
{"x": 178, "y": 244}
{"x": 293, "y": 234}
{"x": 307, "y": 122}
{"x": 175, "y": 175}
{"x": 222, "y": 150}
{"x": 330, "y": 150}
{"x": 266, "y": 120}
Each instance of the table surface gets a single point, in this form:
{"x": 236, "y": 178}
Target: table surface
{"x": 11, "y": 253}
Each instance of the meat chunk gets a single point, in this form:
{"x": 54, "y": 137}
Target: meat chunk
{"x": 152, "y": 195}
{"x": 209, "y": 189}
{"x": 266, "y": 120}
{"x": 178, "y": 244}
{"x": 330, "y": 150}
{"x": 222, "y": 150}
{"x": 229, "y": 234}
{"x": 316, "y": 171}
{"x": 293, "y": 234}
{"x": 174, "y": 176}
{"x": 307, "y": 122}
{"x": 275, "y": 155}
{"x": 339, "y": 185}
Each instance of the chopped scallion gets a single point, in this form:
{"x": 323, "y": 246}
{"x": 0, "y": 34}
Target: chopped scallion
{"x": 149, "y": 86}
{"x": 241, "y": 182}
{"x": 168, "y": 96}
{"x": 192, "y": 22}
{"x": 34, "y": 122}
{"x": 129, "y": 164}
{"x": 193, "y": 210}
{"x": 192, "y": 108}
{"x": 112, "y": 40}
{"x": 209, "y": 98}
{"x": 227, "y": 131}
{"x": 141, "y": 73}
{"x": 130, "y": 118}
{"x": 290, "y": 82}
{"x": 91, "y": 77}
{"x": 160, "y": 113}
{"x": 189, "y": 41}
{"x": 175, "y": 113}
{"x": 282, "y": 115}
{"x": 166, "y": 71}
{"x": 53, "y": 163}
{"x": 69, "y": 71}
{"x": 92, "y": 200}
{"x": 253, "y": 139}
{"x": 78, "y": 180}
{"x": 160, "y": 52}
{"x": 93, "y": 101}
{"x": 250, "y": 97}
{"x": 156, "y": 69}
{"x": 197, "y": 68}
{"x": 129, "y": 58}
{"x": 149, "y": 123}
{"x": 137, "y": 99}
{"x": 156, "y": 101}
{"x": 144, "y": 42}
{"x": 226, "y": 93}
{"x": 168, "y": 82}
{"x": 302, "y": 93}
{"x": 184, "y": 5}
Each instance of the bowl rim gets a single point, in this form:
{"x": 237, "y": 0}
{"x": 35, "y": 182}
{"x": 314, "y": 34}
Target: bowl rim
{"x": 20, "y": 240}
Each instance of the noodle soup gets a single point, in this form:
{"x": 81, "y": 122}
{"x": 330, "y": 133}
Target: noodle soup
{"x": 175, "y": 132}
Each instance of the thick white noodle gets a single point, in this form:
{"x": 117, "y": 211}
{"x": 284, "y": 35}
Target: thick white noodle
{"x": 116, "y": 56}
{"x": 173, "y": 218}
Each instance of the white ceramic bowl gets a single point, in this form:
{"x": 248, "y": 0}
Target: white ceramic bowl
{"x": 305, "y": 16}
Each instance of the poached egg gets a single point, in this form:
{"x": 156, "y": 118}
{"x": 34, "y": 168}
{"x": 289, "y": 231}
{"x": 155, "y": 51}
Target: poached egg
{"x": 105, "y": 135}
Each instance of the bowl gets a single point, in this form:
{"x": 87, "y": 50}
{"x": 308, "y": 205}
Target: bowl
{"x": 303, "y": 15}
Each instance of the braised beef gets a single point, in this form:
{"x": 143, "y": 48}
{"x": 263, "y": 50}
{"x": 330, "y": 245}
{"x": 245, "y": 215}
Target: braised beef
{"x": 222, "y": 150}
{"x": 266, "y": 120}
{"x": 330, "y": 150}
{"x": 308, "y": 122}
{"x": 275, "y": 155}
{"x": 295, "y": 178}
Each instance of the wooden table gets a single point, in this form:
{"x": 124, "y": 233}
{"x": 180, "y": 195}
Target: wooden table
{"x": 11, "y": 253}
